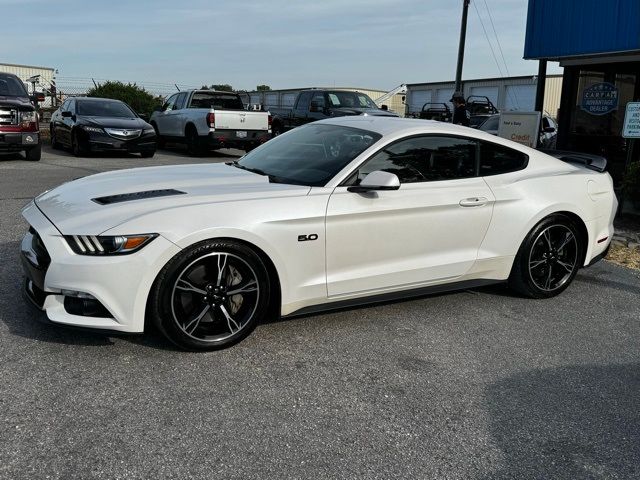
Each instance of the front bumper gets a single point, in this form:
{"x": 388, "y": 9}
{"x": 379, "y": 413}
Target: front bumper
{"x": 119, "y": 285}
{"x": 101, "y": 142}
{"x": 230, "y": 138}
{"x": 18, "y": 141}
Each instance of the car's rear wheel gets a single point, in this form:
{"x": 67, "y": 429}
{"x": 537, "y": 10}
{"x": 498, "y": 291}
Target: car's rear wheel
{"x": 194, "y": 145}
{"x": 210, "y": 296}
{"x": 148, "y": 154}
{"x": 548, "y": 259}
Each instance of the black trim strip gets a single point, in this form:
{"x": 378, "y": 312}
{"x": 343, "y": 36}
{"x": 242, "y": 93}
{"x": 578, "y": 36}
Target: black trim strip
{"x": 128, "y": 197}
{"x": 388, "y": 297}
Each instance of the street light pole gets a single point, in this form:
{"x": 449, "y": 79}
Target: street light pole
{"x": 463, "y": 36}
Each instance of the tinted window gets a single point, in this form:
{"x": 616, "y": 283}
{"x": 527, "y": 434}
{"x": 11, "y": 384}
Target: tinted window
{"x": 309, "y": 155}
{"x": 102, "y": 108}
{"x": 217, "y": 100}
{"x": 304, "y": 100}
{"x": 319, "y": 99}
{"x": 170, "y": 103}
{"x": 425, "y": 159}
{"x": 496, "y": 159}
{"x": 180, "y": 100}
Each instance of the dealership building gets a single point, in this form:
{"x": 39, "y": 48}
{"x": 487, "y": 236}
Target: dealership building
{"x": 598, "y": 44}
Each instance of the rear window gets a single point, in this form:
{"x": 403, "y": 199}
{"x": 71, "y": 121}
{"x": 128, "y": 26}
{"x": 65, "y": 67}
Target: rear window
{"x": 496, "y": 159}
{"x": 219, "y": 101}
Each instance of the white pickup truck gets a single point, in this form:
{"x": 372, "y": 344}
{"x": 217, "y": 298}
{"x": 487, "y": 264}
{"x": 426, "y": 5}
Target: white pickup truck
{"x": 208, "y": 120}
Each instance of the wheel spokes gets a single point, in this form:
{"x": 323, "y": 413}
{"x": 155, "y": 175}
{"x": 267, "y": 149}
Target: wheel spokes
{"x": 230, "y": 319}
{"x": 250, "y": 286}
{"x": 196, "y": 321}
{"x": 222, "y": 264}
{"x": 568, "y": 238}
{"x": 186, "y": 286}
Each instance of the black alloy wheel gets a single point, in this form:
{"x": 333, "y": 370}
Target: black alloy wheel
{"x": 77, "y": 146}
{"x": 210, "y": 296}
{"x": 548, "y": 259}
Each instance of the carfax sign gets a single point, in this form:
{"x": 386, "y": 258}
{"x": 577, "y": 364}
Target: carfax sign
{"x": 600, "y": 99}
{"x": 631, "y": 127}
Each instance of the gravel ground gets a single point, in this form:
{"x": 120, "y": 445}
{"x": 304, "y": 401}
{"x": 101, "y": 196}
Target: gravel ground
{"x": 471, "y": 385}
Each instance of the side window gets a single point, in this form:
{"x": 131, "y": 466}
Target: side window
{"x": 304, "y": 100}
{"x": 65, "y": 106}
{"x": 490, "y": 124}
{"x": 72, "y": 106}
{"x": 180, "y": 99}
{"x": 425, "y": 159}
{"x": 545, "y": 122}
{"x": 319, "y": 99}
{"x": 169, "y": 104}
{"x": 496, "y": 159}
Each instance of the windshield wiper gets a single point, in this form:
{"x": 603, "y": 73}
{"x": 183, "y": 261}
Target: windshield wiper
{"x": 248, "y": 169}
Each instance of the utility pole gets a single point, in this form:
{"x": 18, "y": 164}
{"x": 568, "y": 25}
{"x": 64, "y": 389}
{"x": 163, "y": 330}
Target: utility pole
{"x": 463, "y": 36}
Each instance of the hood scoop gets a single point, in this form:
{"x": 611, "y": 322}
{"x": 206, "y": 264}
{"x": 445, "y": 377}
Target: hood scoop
{"x": 128, "y": 197}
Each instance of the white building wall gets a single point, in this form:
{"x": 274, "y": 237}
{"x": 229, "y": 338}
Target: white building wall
{"x": 25, "y": 71}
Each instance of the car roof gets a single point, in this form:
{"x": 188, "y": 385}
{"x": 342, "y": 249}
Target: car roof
{"x": 97, "y": 99}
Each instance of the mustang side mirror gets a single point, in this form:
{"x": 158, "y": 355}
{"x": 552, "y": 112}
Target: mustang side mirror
{"x": 378, "y": 180}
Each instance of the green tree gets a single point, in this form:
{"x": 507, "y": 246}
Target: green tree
{"x": 136, "y": 97}
{"x": 263, "y": 88}
{"x": 223, "y": 87}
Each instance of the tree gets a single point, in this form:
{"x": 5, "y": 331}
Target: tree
{"x": 136, "y": 97}
{"x": 263, "y": 88}
{"x": 223, "y": 87}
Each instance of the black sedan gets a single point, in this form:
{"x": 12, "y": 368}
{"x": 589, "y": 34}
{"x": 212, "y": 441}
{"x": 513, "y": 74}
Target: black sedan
{"x": 88, "y": 125}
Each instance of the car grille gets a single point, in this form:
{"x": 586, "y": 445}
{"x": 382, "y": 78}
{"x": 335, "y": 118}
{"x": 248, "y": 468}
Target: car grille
{"x": 8, "y": 116}
{"x": 123, "y": 133}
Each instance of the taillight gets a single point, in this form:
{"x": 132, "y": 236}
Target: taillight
{"x": 211, "y": 120}
{"x": 270, "y": 120}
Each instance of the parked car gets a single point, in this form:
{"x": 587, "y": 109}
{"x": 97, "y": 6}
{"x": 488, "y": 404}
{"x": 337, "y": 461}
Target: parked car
{"x": 208, "y": 120}
{"x": 19, "y": 126}
{"x": 548, "y": 133}
{"x": 87, "y": 125}
{"x": 339, "y": 212}
{"x": 480, "y": 108}
{"x": 316, "y": 104}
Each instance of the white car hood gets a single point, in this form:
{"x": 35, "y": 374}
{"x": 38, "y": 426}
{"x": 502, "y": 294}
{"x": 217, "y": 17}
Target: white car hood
{"x": 79, "y": 207}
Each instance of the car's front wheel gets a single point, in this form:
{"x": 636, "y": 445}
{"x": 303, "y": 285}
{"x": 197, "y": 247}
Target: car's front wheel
{"x": 211, "y": 295}
{"x": 548, "y": 259}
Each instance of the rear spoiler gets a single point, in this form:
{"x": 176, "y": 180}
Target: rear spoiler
{"x": 593, "y": 162}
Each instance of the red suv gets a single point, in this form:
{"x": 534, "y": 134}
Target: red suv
{"x": 19, "y": 128}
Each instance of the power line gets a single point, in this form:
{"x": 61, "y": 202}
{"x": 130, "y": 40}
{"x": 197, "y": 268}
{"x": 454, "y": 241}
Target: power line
{"x": 493, "y": 53}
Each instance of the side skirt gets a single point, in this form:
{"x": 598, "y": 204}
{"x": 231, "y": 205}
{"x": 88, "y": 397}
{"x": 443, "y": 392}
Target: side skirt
{"x": 392, "y": 296}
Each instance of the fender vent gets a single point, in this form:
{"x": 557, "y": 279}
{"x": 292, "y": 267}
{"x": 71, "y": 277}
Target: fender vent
{"x": 128, "y": 197}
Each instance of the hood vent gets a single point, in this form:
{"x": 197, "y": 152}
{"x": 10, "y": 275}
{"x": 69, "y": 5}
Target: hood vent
{"x": 128, "y": 197}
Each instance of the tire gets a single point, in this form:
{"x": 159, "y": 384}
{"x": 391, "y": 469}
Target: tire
{"x": 54, "y": 140}
{"x": 194, "y": 146}
{"x": 33, "y": 154}
{"x": 548, "y": 259}
{"x": 148, "y": 154}
{"x": 77, "y": 147}
{"x": 160, "y": 141}
{"x": 276, "y": 130}
{"x": 191, "y": 301}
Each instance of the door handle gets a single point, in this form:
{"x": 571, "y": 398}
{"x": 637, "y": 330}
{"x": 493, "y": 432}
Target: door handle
{"x": 473, "y": 202}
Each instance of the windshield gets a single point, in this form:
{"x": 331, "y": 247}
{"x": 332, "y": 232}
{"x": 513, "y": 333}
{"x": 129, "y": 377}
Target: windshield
{"x": 219, "y": 101}
{"x": 309, "y": 155}
{"x": 11, "y": 86}
{"x": 102, "y": 108}
{"x": 350, "y": 100}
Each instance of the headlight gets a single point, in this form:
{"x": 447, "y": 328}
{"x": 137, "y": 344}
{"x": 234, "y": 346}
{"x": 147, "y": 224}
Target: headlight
{"x": 27, "y": 117}
{"x": 108, "y": 245}
{"x": 147, "y": 131}
{"x": 92, "y": 129}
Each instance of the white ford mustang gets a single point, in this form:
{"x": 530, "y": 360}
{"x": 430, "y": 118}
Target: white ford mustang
{"x": 339, "y": 212}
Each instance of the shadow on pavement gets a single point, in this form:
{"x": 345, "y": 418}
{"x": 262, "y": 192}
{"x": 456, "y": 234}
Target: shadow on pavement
{"x": 24, "y": 320}
{"x": 577, "y": 422}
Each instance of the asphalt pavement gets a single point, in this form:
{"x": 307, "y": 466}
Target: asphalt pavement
{"x": 478, "y": 384}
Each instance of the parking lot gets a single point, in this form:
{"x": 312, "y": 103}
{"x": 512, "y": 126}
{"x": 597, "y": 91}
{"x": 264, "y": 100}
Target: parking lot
{"x": 478, "y": 384}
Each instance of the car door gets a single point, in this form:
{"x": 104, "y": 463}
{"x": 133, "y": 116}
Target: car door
{"x": 56, "y": 120}
{"x": 67, "y": 123}
{"x": 427, "y": 231}
{"x": 163, "y": 117}
{"x": 175, "y": 124}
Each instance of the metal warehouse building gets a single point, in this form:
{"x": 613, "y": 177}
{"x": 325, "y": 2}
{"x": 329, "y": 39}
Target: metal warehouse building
{"x": 285, "y": 98}
{"x": 47, "y": 74}
{"x": 506, "y": 93}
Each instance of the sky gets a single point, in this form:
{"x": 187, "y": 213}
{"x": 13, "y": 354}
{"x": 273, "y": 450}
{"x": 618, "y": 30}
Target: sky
{"x": 285, "y": 44}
